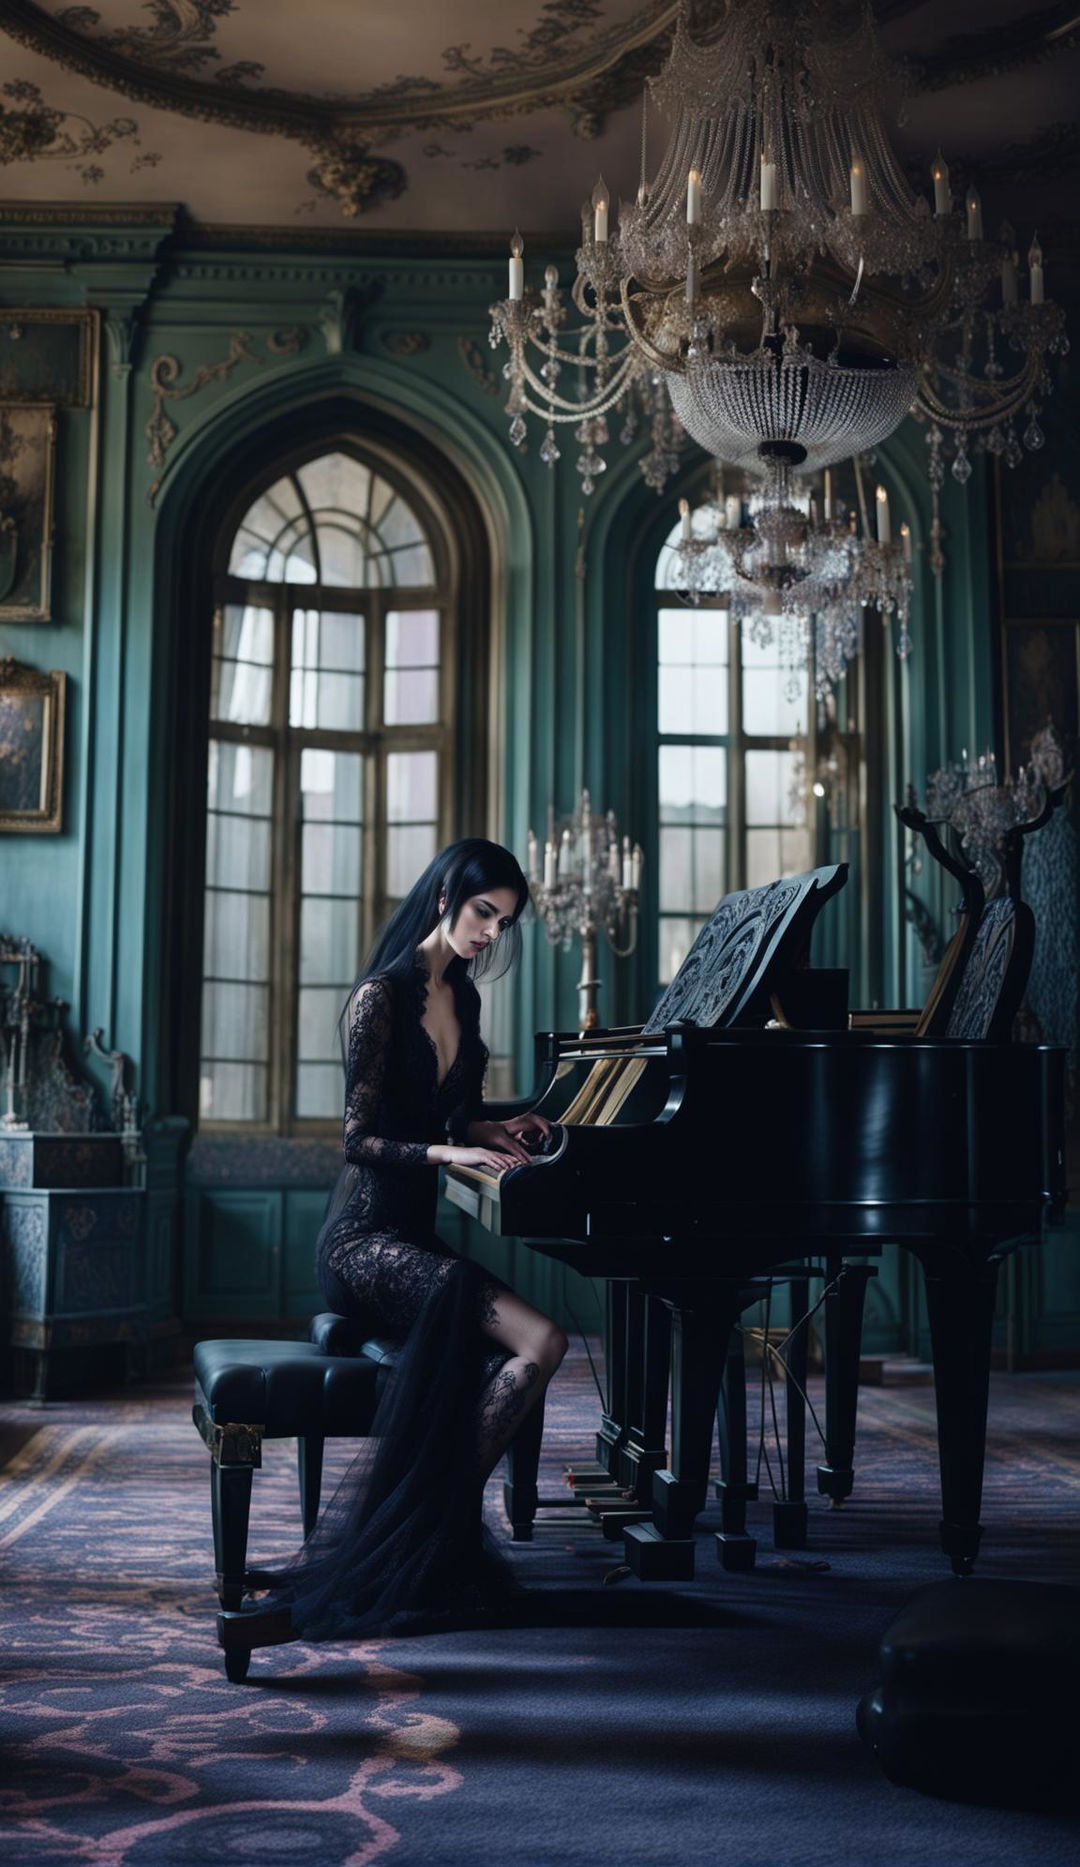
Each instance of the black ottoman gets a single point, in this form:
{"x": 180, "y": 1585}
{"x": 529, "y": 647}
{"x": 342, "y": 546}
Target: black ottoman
{"x": 978, "y": 1697}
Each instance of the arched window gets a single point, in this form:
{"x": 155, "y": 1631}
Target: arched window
{"x": 732, "y": 732}
{"x": 328, "y": 772}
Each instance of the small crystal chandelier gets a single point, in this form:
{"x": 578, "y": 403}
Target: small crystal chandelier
{"x": 799, "y": 575}
{"x": 778, "y": 279}
{"x": 990, "y": 815}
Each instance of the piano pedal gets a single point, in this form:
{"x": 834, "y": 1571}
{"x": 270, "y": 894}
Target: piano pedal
{"x": 789, "y": 1524}
{"x": 614, "y": 1522}
{"x": 736, "y": 1552}
{"x": 656, "y": 1558}
{"x": 590, "y": 1475}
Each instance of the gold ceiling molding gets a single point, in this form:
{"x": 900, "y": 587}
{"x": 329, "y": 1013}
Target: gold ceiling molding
{"x": 555, "y": 73}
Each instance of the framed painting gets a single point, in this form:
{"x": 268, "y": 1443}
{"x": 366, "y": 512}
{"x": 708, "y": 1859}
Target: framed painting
{"x": 27, "y": 446}
{"x": 49, "y": 355}
{"x": 31, "y": 748}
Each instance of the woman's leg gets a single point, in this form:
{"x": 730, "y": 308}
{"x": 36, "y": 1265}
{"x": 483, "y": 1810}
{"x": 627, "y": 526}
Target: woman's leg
{"x": 536, "y": 1347}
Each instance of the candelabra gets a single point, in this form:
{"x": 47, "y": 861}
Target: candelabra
{"x": 991, "y": 816}
{"x": 779, "y": 278}
{"x": 796, "y": 573}
{"x": 589, "y": 883}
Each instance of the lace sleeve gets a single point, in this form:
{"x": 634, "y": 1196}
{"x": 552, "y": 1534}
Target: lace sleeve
{"x": 370, "y": 1032}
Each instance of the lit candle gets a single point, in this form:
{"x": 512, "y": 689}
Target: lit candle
{"x": 549, "y": 865}
{"x": 733, "y": 512}
{"x": 693, "y": 197}
{"x": 517, "y": 267}
{"x": 635, "y": 868}
{"x": 942, "y": 197}
{"x": 905, "y": 540}
{"x": 627, "y": 863}
{"x": 974, "y": 215}
{"x": 1010, "y": 288}
{"x": 566, "y": 857}
{"x": 613, "y": 860}
{"x": 858, "y": 187}
{"x": 884, "y": 527}
{"x": 684, "y": 516}
{"x": 828, "y": 496}
{"x": 600, "y": 200}
{"x": 533, "y": 849}
{"x": 586, "y": 850}
{"x": 768, "y": 185}
{"x": 1035, "y": 263}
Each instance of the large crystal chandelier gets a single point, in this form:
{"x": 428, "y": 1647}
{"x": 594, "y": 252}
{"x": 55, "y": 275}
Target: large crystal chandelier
{"x": 779, "y": 277}
{"x": 799, "y": 573}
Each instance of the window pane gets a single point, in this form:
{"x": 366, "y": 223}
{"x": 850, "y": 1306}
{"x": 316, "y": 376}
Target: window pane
{"x": 769, "y": 705}
{"x": 318, "y": 1010}
{"x": 693, "y": 784}
{"x": 240, "y": 778}
{"x": 342, "y": 556}
{"x": 412, "y": 638}
{"x": 323, "y": 693}
{"x": 238, "y": 851}
{"x": 258, "y": 540}
{"x": 409, "y": 849}
{"x": 677, "y": 936}
{"x": 233, "y": 1092}
{"x": 693, "y": 700}
{"x": 237, "y": 935}
{"x": 399, "y": 525}
{"x": 411, "y": 791}
{"x": 234, "y": 1022}
{"x": 331, "y": 786}
{"x": 319, "y": 1090}
{"x": 772, "y": 794}
{"x": 329, "y": 942}
{"x": 412, "y": 568}
{"x": 411, "y": 696}
{"x": 691, "y": 870}
{"x": 763, "y": 859}
{"x": 330, "y": 859}
{"x": 241, "y": 670}
{"x": 338, "y": 481}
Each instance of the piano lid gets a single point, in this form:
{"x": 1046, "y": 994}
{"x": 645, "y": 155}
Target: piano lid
{"x": 750, "y": 937}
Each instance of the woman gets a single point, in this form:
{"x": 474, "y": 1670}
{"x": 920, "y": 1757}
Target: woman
{"x": 404, "y": 1531}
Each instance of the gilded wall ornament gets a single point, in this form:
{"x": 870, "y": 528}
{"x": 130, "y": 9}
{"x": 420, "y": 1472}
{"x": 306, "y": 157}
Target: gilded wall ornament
{"x": 406, "y": 343}
{"x": 161, "y": 431}
{"x": 31, "y": 131}
{"x": 355, "y": 179}
{"x": 473, "y": 358}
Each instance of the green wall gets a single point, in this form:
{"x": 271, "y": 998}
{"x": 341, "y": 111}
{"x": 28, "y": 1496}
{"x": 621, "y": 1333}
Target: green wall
{"x": 352, "y": 326}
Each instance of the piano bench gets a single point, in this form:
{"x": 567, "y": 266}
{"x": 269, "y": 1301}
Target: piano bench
{"x": 246, "y": 1392}
{"x": 978, "y": 1695}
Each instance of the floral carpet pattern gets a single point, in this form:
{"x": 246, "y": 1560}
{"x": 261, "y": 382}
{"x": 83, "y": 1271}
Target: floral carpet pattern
{"x": 128, "y": 1747}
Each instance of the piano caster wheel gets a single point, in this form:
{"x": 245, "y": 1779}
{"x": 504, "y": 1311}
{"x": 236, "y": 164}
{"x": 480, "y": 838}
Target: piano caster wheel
{"x": 789, "y": 1524}
{"x": 736, "y": 1553}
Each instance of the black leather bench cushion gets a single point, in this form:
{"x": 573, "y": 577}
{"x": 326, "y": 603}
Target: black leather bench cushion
{"x": 1001, "y": 1638}
{"x": 288, "y": 1387}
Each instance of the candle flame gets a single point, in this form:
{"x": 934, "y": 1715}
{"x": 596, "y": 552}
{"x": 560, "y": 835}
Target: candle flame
{"x": 600, "y": 196}
{"x": 517, "y": 245}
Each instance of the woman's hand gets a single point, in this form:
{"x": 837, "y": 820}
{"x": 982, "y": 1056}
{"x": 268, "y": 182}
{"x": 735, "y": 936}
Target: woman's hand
{"x": 521, "y": 1137}
{"x": 485, "y": 1158}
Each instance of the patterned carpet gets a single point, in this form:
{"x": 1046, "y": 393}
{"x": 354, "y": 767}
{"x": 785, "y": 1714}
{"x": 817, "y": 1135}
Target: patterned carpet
{"x": 624, "y": 1723}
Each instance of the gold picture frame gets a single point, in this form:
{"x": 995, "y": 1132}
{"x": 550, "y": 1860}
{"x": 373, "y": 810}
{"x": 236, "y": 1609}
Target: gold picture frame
{"x": 31, "y": 748}
{"x": 27, "y": 449}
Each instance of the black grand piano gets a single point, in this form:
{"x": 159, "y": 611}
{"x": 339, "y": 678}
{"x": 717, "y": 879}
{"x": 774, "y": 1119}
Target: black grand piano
{"x": 716, "y": 1143}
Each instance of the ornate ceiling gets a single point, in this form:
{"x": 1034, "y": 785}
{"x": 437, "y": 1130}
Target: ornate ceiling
{"x": 466, "y": 118}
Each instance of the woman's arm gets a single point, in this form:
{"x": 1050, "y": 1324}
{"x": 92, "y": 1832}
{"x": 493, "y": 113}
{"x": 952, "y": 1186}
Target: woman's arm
{"x": 370, "y": 1030}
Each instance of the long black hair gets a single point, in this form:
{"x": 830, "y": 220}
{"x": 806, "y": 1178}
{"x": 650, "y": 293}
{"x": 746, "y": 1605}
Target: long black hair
{"x": 472, "y": 867}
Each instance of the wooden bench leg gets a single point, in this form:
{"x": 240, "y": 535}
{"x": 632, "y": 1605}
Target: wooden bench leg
{"x": 235, "y": 1453}
{"x": 309, "y": 1464}
{"x": 520, "y": 1496}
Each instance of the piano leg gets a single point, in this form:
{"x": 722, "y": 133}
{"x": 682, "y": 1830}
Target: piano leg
{"x": 613, "y": 1421}
{"x": 647, "y": 1376}
{"x": 735, "y": 1549}
{"x": 843, "y": 1341}
{"x": 664, "y": 1549}
{"x": 960, "y": 1308}
{"x": 789, "y": 1514}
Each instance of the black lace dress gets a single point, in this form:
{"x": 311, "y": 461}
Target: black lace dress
{"x": 403, "y": 1533}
